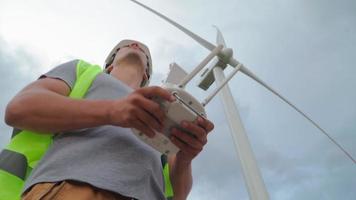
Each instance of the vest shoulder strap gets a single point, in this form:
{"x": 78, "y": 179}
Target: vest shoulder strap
{"x": 85, "y": 76}
{"x": 168, "y": 189}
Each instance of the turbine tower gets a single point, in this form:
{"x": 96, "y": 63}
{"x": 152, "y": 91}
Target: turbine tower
{"x": 252, "y": 176}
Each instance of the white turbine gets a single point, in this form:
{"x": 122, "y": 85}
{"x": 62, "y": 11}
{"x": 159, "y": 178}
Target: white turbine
{"x": 253, "y": 180}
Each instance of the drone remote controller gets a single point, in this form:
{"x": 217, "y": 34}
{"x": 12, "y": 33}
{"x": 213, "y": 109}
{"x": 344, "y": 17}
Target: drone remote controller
{"x": 184, "y": 108}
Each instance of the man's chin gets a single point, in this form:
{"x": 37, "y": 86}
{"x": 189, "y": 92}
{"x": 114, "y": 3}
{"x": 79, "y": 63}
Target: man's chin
{"x": 131, "y": 57}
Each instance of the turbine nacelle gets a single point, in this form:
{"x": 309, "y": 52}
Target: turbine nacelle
{"x": 225, "y": 55}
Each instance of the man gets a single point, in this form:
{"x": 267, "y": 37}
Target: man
{"x": 94, "y": 154}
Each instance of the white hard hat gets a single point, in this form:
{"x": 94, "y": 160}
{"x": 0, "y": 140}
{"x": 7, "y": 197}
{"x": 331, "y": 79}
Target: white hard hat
{"x": 110, "y": 58}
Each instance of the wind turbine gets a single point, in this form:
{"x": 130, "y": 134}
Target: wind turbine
{"x": 252, "y": 176}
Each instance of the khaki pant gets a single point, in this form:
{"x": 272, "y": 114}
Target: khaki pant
{"x": 69, "y": 190}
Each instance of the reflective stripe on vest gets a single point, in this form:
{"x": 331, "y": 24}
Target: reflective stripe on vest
{"x": 26, "y": 148}
{"x": 7, "y": 157}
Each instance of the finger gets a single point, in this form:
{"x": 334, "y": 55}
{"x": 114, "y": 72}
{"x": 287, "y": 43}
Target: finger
{"x": 196, "y": 130}
{"x": 148, "y": 120}
{"x": 184, "y": 147}
{"x": 205, "y": 124}
{"x": 152, "y": 108}
{"x": 187, "y": 139}
{"x": 140, "y": 126}
{"x": 155, "y": 91}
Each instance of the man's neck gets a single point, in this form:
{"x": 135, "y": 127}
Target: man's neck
{"x": 129, "y": 74}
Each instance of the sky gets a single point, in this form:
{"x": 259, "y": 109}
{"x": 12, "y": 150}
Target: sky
{"x": 304, "y": 49}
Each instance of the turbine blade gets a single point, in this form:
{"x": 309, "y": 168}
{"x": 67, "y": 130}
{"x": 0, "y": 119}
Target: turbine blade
{"x": 247, "y": 72}
{"x": 197, "y": 38}
{"x": 219, "y": 37}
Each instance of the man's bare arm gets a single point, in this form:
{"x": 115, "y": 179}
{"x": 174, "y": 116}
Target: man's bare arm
{"x": 44, "y": 106}
{"x": 181, "y": 178}
{"x": 190, "y": 146}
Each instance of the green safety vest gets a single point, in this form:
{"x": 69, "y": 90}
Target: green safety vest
{"x": 26, "y": 148}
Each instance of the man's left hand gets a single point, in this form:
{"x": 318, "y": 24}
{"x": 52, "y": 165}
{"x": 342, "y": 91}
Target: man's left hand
{"x": 191, "y": 143}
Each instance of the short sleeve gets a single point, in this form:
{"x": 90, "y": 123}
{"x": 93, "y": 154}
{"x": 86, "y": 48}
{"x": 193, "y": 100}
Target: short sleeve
{"x": 65, "y": 72}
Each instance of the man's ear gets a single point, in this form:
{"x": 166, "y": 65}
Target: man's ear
{"x": 109, "y": 69}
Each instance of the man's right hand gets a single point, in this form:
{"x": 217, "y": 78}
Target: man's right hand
{"x": 139, "y": 111}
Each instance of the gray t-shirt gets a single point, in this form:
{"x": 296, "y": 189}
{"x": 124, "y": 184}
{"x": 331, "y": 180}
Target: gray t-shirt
{"x": 107, "y": 157}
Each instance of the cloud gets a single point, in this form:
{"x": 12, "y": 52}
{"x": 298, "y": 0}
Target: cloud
{"x": 18, "y": 68}
{"x": 309, "y": 60}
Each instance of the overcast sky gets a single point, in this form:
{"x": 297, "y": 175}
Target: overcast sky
{"x": 305, "y": 49}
